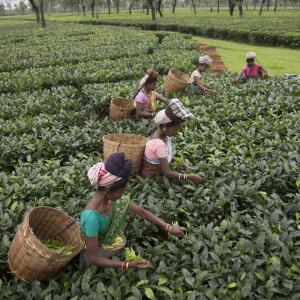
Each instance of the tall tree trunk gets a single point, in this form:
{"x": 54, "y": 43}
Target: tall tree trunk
{"x": 36, "y": 10}
{"x": 118, "y": 6}
{"x": 240, "y": 6}
{"x": 83, "y": 7}
{"x": 159, "y": 8}
{"x": 152, "y": 10}
{"x": 194, "y": 6}
{"x": 42, "y": 13}
{"x": 93, "y": 8}
{"x": 78, "y": 8}
{"x": 147, "y": 10}
{"x": 108, "y": 5}
{"x": 268, "y": 5}
{"x": 49, "y": 8}
{"x": 130, "y": 7}
{"x": 285, "y": 4}
{"x": 261, "y": 6}
{"x": 174, "y": 6}
{"x": 231, "y": 5}
{"x": 96, "y": 9}
{"x": 246, "y": 4}
{"x": 218, "y": 6}
{"x": 275, "y": 5}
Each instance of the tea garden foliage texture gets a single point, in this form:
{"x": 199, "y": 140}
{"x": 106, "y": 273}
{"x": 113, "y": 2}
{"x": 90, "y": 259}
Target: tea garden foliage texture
{"x": 242, "y": 224}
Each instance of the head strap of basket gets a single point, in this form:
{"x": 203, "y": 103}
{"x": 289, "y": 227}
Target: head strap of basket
{"x": 175, "y": 112}
{"x": 115, "y": 169}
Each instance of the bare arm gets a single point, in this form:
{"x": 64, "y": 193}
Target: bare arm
{"x": 147, "y": 215}
{"x": 164, "y": 100}
{"x": 174, "y": 175}
{"x": 204, "y": 88}
{"x": 239, "y": 76}
{"x": 92, "y": 253}
{"x": 141, "y": 112}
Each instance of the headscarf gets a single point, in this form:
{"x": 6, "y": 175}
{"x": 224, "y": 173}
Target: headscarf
{"x": 175, "y": 112}
{"x": 205, "y": 60}
{"x": 115, "y": 168}
{"x": 250, "y": 55}
{"x": 151, "y": 75}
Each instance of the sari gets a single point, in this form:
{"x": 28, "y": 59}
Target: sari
{"x": 118, "y": 216}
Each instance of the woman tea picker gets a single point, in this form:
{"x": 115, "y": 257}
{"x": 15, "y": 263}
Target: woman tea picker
{"x": 104, "y": 216}
{"x": 145, "y": 101}
{"x": 251, "y": 69}
{"x": 158, "y": 151}
{"x": 197, "y": 82}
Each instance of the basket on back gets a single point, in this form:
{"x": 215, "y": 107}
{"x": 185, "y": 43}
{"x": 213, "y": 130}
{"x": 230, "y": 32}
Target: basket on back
{"x": 28, "y": 257}
{"x": 121, "y": 108}
{"x": 176, "y": 81}
{"x": 132, "y": 145}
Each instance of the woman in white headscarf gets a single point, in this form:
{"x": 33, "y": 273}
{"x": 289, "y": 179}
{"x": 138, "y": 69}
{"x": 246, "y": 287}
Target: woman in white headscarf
{"x": 197, "y": 82}
{"x": 251, "y": 69}
{"x": 158, "y": 151}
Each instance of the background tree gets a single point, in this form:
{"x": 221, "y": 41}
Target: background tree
{"x": 2, "y": 9}
{"x": 193, "y": 2}
{"x": 159, "y": 8}
{"x": 261, "y": 6}
{"x": 42, "y": 13}
{"x": 9, "y": 6}
{"x": 174, "y": 2}
{"x": 108, "y": 2}
{"x": 231, "y": 4}
{"x": 22, "y": 6}
{"x": 36, "y": 10}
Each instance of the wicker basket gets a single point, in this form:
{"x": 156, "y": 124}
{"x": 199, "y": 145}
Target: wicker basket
{"x": 132, "y": 145}
{"x": 176, "y": 81}
{"x": 28, "y": 258}
{"x": 121, "y": 108}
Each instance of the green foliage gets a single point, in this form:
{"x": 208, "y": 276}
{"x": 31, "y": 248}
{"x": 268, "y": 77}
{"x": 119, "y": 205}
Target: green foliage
{"x": 241, "y": 225}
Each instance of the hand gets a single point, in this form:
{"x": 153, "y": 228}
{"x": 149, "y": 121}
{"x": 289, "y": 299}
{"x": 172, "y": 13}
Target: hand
{"x": 139, "y": 264}
{"x": 215, "y": 92}
{"x": 208, "y": 86}
{"x": 195, "y": 178}
{"x": 235, "y": 80}
{"x": 183, "y": 165}
{"x": 176, "y": 231}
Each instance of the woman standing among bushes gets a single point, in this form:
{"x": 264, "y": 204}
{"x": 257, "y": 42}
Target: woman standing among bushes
{"x": 103, "y": 217}
{"x": 158, "y": 152}
{"x": 145, "y": 101}
{"x": 197, "y": 82}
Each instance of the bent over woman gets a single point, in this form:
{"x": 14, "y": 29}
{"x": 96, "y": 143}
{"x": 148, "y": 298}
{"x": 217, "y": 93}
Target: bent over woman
{"x": 251, "y": 69}
{"x": 158, "y": 151}
{"x": 103, "y": 217}
{"x": 145, "y": 101}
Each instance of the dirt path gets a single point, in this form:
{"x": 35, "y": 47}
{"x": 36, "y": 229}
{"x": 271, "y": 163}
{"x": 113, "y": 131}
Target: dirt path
{"x": 217, "y": 65}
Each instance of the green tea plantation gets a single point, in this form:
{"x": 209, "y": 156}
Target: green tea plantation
{"x": 242, "y": 224}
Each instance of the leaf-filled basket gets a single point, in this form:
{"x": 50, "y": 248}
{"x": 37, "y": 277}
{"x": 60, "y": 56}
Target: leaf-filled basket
{"x": 176, "y": 81}
{"x": 28, "y": 257}
{"x": 132, "y": 145}
{"x": 121, "y": 108}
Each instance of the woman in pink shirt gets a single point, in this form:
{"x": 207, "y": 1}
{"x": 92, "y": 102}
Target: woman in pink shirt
{"x": 158, "y": 152}
{"x": 251, "y": 69}
{"x": 145, "y": 101}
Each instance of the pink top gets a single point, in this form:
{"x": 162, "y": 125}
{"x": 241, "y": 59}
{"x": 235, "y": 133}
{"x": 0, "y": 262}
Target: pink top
{"x": 254, "y": 71}
{"x": 156, "y": 148}
{"x": 142, "y": 98}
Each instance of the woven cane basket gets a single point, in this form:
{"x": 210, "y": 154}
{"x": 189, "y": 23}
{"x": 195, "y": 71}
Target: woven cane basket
{"x": 176, "y": 81}
{"x": 28, "y": 258}
{"x": 132, "y": 145}
{"x": 121, "y": 108}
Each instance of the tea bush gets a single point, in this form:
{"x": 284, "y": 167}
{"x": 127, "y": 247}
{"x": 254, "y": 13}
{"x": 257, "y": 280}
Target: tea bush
{"x": 242, "y": 225}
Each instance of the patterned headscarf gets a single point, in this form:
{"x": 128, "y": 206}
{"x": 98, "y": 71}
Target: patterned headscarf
{"x": 205, "y": 60}
{"x": 175, "y": 112}
{"x": 115, "y": 168}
